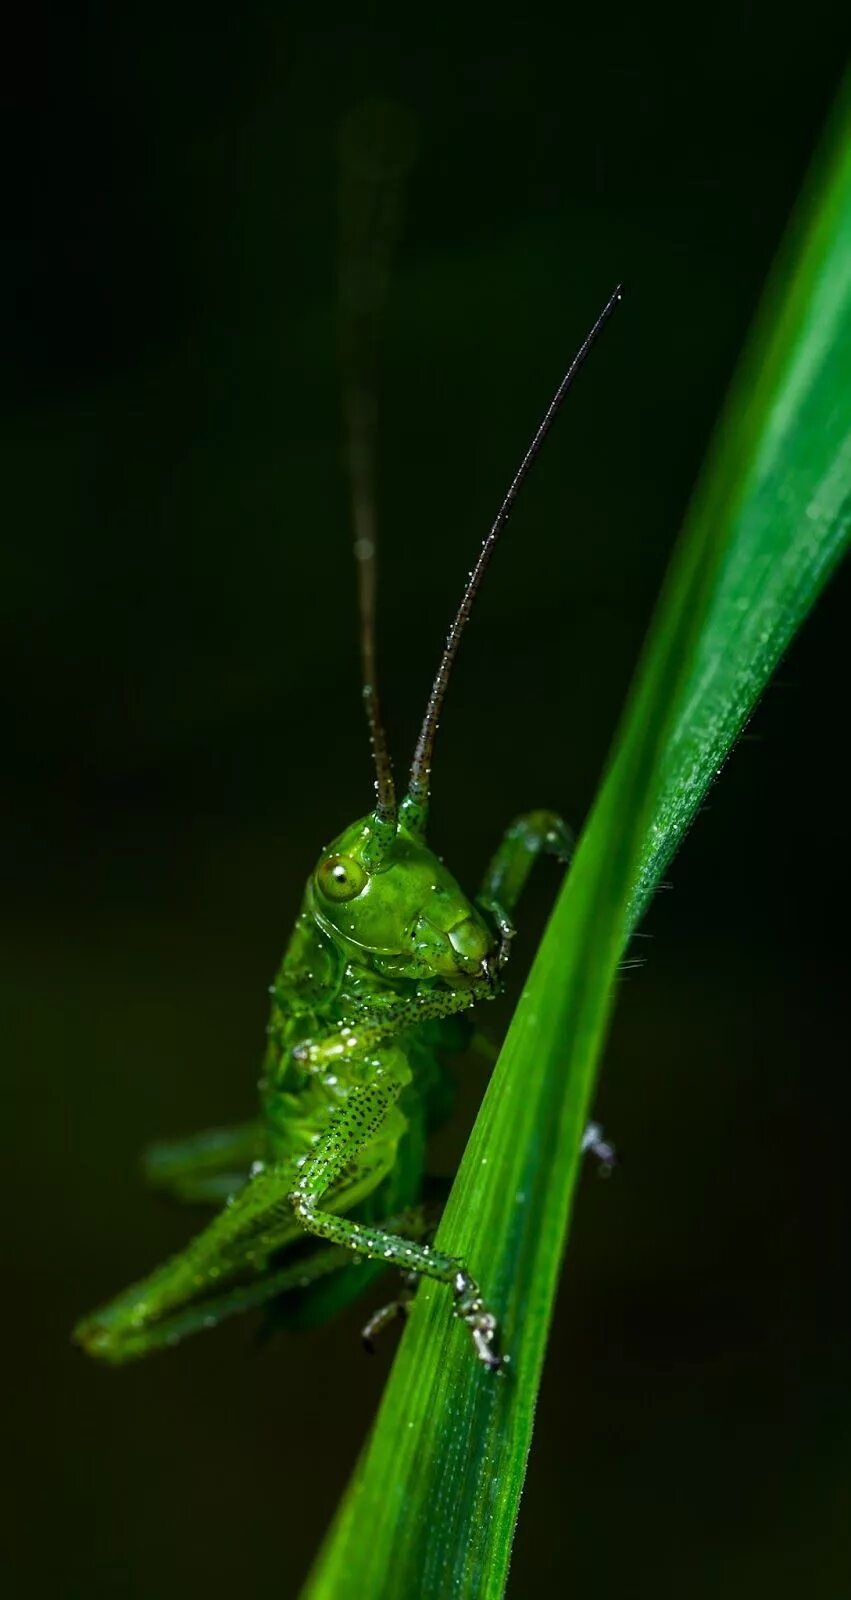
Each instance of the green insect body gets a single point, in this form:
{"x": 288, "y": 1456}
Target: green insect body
{"x": 382, "y": 956}
{"x": 387, "y": 957}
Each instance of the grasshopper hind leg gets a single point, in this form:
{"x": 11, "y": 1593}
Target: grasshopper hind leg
{"x": 232, "y": 1265}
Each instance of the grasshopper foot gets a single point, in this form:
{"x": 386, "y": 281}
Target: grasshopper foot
{"x": 603, "y": 1149}
{"x": 381, "y": 1319}
{"x": 471, "y": 1309}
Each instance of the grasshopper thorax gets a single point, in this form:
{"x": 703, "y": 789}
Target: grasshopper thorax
{"x": 407, "y": 919}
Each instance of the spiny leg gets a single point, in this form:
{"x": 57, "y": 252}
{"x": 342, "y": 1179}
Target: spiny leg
{"x": 355, "y": 1125}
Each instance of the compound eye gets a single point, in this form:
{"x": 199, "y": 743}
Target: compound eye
{"x": 340, "y": 878}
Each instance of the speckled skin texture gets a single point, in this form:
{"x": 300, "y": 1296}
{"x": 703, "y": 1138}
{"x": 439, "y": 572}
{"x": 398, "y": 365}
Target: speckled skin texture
{"x": 386, "y": 949}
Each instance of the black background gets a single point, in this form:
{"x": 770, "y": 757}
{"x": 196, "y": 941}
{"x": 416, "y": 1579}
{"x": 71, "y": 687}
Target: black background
{"x": 182, "y": 731}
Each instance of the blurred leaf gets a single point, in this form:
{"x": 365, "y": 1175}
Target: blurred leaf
{"x": 432, "y": 1505}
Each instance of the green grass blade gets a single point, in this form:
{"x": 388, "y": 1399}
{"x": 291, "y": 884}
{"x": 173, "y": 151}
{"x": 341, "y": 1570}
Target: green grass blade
{"x": 432, "y": 1505}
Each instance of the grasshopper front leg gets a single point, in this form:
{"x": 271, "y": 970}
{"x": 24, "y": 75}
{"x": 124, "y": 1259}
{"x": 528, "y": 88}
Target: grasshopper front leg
{"x": 529, "y": 836}
{"x": 374, "y": 1021}
{"x": 355, "y": 1125}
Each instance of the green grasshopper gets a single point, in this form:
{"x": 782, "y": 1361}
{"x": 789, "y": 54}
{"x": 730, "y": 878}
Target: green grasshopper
{"x": 387, "y": 955}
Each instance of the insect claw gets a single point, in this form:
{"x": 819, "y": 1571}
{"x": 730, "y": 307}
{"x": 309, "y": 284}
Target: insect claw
{"x": 507, "y": 931}
{"x": 471, "y": 1309}
{"x": 381, "y": 1319}
{"x": 491, "y": 967}
{"x": 482, "y": 1345}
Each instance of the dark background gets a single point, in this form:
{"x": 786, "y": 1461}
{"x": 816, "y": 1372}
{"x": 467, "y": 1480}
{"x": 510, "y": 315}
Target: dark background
{"x": 182, "y": 731}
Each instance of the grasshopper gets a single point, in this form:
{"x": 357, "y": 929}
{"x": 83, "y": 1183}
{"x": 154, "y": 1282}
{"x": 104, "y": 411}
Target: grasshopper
{"x": 387, "y": 955}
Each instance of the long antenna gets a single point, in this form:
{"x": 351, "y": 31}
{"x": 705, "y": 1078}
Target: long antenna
{"x": 376, "y": 150}
{"x": 419, "y": 782}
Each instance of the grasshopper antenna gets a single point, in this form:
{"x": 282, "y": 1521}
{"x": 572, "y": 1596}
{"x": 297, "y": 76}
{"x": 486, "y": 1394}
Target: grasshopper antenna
{"x": 376, "y": 151}
{"x": 415, "y": 805}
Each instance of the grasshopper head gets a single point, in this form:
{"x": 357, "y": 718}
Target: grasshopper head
{"x": 407, "y": 919}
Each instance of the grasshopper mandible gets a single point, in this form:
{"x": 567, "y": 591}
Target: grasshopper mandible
{"x": 386, "y": 950}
